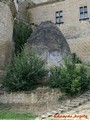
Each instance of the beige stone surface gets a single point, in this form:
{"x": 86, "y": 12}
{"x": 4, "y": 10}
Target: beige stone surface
{"x": 12, "y": 6}
{"x": 76, "y": 32}
{"x": 6, "y": 30}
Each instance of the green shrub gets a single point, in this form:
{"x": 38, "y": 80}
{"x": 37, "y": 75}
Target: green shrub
{"x": 75, "y": 58}
{"x": 25, "y": 72}
{"x": 21, "y": 32}
{"x": 70, "y": 79}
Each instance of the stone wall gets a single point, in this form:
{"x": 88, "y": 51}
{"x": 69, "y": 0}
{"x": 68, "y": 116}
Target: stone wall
{"x": 22, "y": 6}
{"x": 36, "y": 101}
{"x": 6, "y": 30}
{"x": 35, "y": 96}
{"x": 76, "y": 31}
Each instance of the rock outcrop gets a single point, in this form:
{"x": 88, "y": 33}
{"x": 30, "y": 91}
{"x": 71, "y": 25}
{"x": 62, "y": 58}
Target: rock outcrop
{"x": 49, "y": 43}
{"x": 6, "y": 30}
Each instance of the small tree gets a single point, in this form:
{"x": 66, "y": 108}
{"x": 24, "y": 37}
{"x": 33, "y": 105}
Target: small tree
{"x": 21, "y": 32}
{"x": 71, "y": 79}
{"x": 25, "y": 72}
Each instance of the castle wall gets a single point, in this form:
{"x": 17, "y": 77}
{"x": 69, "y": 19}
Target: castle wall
{"x": 76, "y": 31}
{"x": 6, "y": 43}
{"x": 22, "y": 6}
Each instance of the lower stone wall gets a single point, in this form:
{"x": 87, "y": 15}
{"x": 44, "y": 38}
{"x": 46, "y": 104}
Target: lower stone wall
{"x": 35, "y": 101}
{"x": 36, "y": 96}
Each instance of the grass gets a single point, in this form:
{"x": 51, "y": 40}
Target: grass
{"x": 8, "y": 115}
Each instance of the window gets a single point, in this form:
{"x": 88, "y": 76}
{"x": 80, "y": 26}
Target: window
{"x": 83, "y": 13}
{"x": 59, "y": 17}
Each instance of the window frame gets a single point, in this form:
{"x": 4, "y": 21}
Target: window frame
{"x": 59, "y": 17}
{"x": 83, "y": 12}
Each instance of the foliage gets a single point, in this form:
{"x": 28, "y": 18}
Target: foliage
{"x": 25, "y": 72}
{"x": 88, "y": 69}
{"x": 75, "y": 58}
{"x": 21, "y": 32}
{"x": 71, "y": 79}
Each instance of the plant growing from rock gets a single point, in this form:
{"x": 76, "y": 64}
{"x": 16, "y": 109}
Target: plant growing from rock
{"x": 21, "y": 32}
{"x": 75, "y": 58}
{"x": 24, "y": 72}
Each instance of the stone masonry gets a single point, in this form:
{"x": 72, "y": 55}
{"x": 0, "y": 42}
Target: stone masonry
{"x": 6, "y": 30}
{"x": 76, "y": 31}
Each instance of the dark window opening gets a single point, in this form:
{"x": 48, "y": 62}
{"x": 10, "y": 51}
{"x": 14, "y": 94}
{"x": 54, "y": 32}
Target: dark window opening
{"x": 59, "y": 17}
{"x": 83, "y": 13}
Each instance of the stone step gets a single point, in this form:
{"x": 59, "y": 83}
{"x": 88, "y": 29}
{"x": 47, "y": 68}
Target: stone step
{"x": 73, "y": 105}
{"x": 81, "y": 99}
{"x": 61, "y": 110}
{"x": 55, "y": 112}
{"x": 86, "y": 95}
{"x": 49, "y": 115}
{"x": 88, "y": 91}
{"x": 43, "y": 116}
{"x": 65, "y": 108}
{"x": 76, "y": 102}
{"x": 79, "y": 103}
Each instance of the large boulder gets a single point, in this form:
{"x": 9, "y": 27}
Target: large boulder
{"x": 49, "y": 43}
{"x": 6, "y": 30}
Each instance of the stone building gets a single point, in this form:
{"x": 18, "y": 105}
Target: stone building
{"x": 22, "y": 6}
{"x": 72, "y": 17}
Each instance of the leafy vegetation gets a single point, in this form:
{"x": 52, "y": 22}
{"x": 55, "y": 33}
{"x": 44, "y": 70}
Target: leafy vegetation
{"x": 7, "y": 115}
{"x": 70, "y": 79}
{"x": 25, "y": 72}
{"x": 75, "y": 58}
{"x": 88, "y": 69}
{"x": 21, "y": 33}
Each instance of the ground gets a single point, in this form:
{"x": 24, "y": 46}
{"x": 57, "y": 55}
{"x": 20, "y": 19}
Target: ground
{"x": 83, "y": 111}
{"x": 7, "y": 114}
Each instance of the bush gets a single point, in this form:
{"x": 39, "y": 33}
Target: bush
{"x": 21, "y": 32}
{"x": 75, "y": 58}
{"x": 25, "y": 72}
{"x": 71, "y": 79}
